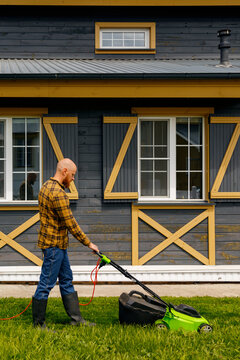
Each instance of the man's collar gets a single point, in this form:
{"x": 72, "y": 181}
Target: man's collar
{"x": 62, "y": 186}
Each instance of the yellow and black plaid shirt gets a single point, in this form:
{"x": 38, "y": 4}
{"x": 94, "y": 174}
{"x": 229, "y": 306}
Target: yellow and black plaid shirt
{"x": 56, "y": 217}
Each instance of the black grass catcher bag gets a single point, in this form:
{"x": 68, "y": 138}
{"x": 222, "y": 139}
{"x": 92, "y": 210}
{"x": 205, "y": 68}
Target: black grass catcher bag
{"x": 138, "y": 308}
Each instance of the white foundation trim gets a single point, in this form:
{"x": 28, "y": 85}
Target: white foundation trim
{"x": 148, "y": 273}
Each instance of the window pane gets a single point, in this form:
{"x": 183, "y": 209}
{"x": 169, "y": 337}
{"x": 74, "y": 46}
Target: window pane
{"x": 139, "y": 43}
{"x": 1, "y": 152}
{"x": 146, "y": 132}
{"x": 129, "y": 35}
{"x": 147, "y": 165}
{"x": 182, "y": 185}
{"x": 161, "y": 165}
{"x": 139, "y": 35}
{"x": 1, "y": 185}
{"x": 161, "y": 184}
{"x": 33, "y": 159}
{"x": 18, "y": 181}
{"x": 107, "y": 43}
{"x": 129, "y": 43}
{"x": 146, "y": 184}
{"x": 19, "y": 159}
{"x": 182, "y": 158}
{"x": 196, "y": 158}
{"x": 33, "y": 128}
{"x": 146, "y": 151}
{"x": 160, "y": 151}
{"x": 32, "y": 186}
{"x": 117, "y": 36}
{"x": 1, "y": 133}
{"x": 182, "y": 131}
{"x": 2, "y": 163}
{"x": 106, "y": 35}
{"x": 196, "y": 185}
{"x": 18, "y": 128}
{"x": 160, "y": 132}
{"x": 117, "y": 43}
{"x": 196, "y": 131}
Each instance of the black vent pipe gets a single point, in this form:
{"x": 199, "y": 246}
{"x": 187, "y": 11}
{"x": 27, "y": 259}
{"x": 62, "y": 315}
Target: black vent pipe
{"x": 224, "y": 46}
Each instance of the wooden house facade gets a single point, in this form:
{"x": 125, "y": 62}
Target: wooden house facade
{"x": 145, "y": 97}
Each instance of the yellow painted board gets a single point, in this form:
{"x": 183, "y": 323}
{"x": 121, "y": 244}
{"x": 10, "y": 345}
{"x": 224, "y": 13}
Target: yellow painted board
{"x": 225, "y": 119}
{"x": 120, "y": 120}
{"x": 167, "y": 233}
{"x": 172, "y": 111}
{"x": 60, "y": 120}
{"x": 23, "y": 111}
{"x": 19, "y": 248}
{"x": 191, "y": 224}
{"x": 228, "y": 88}
{"x": 120, "y": 195}
{"x": 122, "y": 2}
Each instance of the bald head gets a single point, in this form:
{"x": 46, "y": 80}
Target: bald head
{"x": 66, "y": 164}
{"x": 65, "y": 172}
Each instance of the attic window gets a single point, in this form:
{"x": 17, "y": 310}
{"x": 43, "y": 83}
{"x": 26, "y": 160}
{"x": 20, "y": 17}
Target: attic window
{"x": 127, "y": 38}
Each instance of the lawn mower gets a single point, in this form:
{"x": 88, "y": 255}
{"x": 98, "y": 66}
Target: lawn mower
{"x": 138, "y": 308}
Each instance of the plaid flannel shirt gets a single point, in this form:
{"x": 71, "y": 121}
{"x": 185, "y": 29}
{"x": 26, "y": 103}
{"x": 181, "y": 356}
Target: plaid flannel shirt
{"x": 56, "y": 217}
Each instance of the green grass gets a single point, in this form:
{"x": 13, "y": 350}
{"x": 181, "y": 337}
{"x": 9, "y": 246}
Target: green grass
{"x": 109, "y": 340}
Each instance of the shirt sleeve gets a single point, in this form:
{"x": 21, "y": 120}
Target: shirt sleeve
{"x": 62, "y": 208}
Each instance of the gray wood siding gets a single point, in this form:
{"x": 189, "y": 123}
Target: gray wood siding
{"x": 47, "y": 32}
{"x": 109, "y": 224}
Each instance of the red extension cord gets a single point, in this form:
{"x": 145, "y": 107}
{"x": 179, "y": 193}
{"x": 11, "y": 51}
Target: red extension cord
{"x": 96, "y": 269}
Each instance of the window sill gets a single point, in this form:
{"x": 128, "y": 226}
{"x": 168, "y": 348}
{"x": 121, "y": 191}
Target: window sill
{"x": 173, "y": 203}
{"x": 125, "y": 51}
{"x": 18, "y": 206}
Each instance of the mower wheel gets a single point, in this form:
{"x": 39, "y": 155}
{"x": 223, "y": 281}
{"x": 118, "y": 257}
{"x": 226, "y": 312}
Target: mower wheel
{"x": 162, "y": 326}
{"x": 205, "y": 328}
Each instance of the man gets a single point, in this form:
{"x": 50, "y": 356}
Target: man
{"x": 56, "y": 219}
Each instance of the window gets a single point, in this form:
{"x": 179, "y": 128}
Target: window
{"x": 20, "y": 159}
{"x": 129, "y": 37}
{"x": 171, "y": 158}
{"x": 126, "y": 39}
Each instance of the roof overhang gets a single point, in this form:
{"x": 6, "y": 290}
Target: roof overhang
{"x": 99, "y": 78}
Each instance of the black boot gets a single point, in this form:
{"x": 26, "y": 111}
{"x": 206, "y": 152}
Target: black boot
{"x": 38, "y": 312}
{"x": 71, "y": 305}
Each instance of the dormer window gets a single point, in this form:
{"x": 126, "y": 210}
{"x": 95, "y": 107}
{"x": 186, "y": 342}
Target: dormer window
{"x": 125, "y": 38}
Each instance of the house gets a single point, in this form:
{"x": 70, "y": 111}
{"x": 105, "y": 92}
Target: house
{"x": 145, "y": 97}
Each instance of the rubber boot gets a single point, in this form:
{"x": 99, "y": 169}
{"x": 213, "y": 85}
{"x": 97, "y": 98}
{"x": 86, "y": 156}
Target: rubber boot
{"x": 38, "y": 312}
{"x": 71, "y": 305}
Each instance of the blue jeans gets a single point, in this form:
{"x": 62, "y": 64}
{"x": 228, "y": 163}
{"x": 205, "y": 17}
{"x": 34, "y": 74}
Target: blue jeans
{"x": 55, "y": 265}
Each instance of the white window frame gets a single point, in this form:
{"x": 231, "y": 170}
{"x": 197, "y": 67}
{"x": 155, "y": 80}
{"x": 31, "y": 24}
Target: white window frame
{"x": 8, "y": 176}
{"x": 124, "y": 30}
{"x": 172, "y": 166}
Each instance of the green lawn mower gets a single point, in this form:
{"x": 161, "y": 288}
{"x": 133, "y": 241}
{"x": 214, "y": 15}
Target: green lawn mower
{"x": 138, "y": 308}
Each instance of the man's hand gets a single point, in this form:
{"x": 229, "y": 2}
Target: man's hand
{"x": 93, "y": 247}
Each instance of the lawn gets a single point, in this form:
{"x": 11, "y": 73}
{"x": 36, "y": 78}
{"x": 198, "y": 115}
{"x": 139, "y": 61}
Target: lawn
{"x": 109, "y": 340}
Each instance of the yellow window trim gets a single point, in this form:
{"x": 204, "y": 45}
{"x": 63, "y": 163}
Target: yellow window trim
{"x": 122, "y": 2}
{"x": 126, "y": 25}
{"x": 108, "y": 194}
{"x": 208, "y": 213}
{"x": 215, "y": 193}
